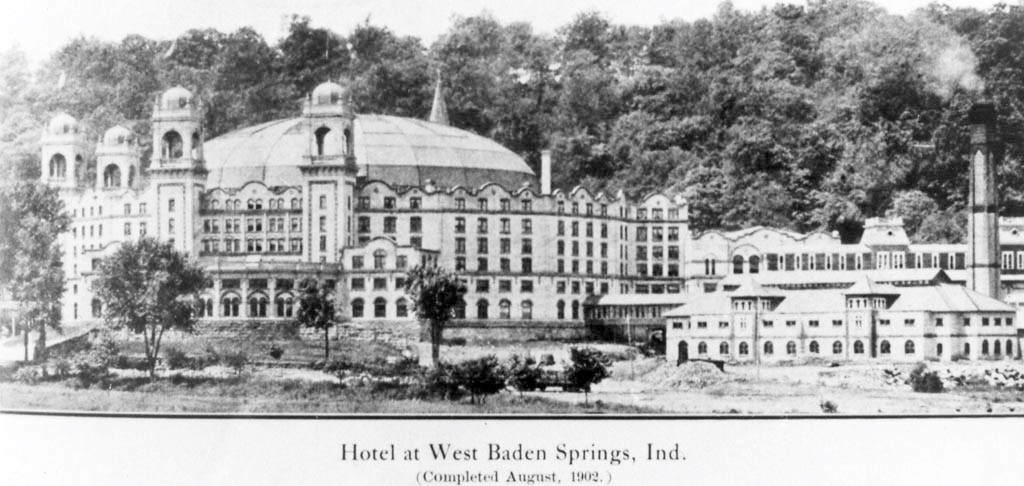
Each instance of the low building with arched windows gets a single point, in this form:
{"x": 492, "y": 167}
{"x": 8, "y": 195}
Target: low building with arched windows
{"x": 867, "y": 315}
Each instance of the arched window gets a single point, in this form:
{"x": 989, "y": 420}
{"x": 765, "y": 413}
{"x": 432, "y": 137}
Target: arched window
{"x": 195, "y": 145}
{"x": 504, "y": 309}
{"x": 357, "y": 308}
{"x": 321, "y": 138}
{"x": 791, "y": 348}
{"x": 858, "y": 347}
{"x": 97, "y": 308}
{"x": 229, "y": 306}
{"x": 283, "y": 305}
{"x": 997, "y": 347}
{"x": 1009, "y": 348}
{"x": 460, "y": 309}
{"x": 814, "y": 347}
{"x": 737, "y": 264}
{"x": 401, "y": 308}
{"x": 755, "y": 264}
{"x": 984, "y": 347}
{"x": 744, "y": 349}
{"x": 723, "y": 348}
{"x": 296, "y": 204}
{"x": 112, "y": 176}
{"x": 257, "y": 306}
{"x": 380, "y": 307}
{"x": 207, "y": 307}
{"x": 769, "y": 348}
{"x": 172, "y": 145}
{"x": 481, "y": 309}
{"x": 884, "y": 347}
{"x": 575, "y": 309}
{"x": 837, "y": 347}
{"x": 527, "y": 309}
{"x": 560, "y": 307}
{"x": 702, "y": 348}
{"x": 58, "y": 166}
{"x": 908, "y": 347}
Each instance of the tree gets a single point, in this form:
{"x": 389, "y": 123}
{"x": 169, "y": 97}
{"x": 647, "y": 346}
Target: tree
{"x": 588, "y": 367}
{"x": 481, "y": 377}
{"x": 31, "y": 218}
{"x": 149, "y": 287}
{"x": 316, "y": 309}
{"x": 435, "y": 295}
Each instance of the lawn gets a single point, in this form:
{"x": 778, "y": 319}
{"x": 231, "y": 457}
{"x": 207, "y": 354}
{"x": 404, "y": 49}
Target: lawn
{"x": 253, "y": 394}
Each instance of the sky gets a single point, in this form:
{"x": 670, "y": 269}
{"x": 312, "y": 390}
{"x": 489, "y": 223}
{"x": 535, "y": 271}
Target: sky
{"x": 40, "y": 27}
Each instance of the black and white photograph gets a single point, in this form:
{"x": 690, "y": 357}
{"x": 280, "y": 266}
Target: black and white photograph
{"x": 711, "y": 214}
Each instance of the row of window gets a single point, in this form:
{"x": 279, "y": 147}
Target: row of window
{"x": 504, "y": 246}
{"x": 256, "y": 204}
{"x": 255, "y": 225}
{"x": 379, "y": 259}
{"x": 98, "y": 210}
{"x": 253, "y": 245}
{"x": 526, "y": 205}
{"x": 390, "y": 225}
{"x": 829, "y": 261}
{"x": 884, "y": 347}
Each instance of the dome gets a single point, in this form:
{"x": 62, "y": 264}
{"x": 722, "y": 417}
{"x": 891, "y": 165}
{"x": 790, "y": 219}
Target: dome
{"x": 328, "y": 93}
{"x": 63, "y": 123}
{"x": 116, "y": 135}
{"x": 396, "y": 150}
{"x": 175, "y": 98}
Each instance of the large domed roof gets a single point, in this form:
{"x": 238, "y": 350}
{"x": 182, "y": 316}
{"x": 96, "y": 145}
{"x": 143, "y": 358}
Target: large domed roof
{"x": 399, "y": 151}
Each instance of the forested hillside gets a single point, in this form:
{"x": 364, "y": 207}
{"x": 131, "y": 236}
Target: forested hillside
{"x": 797, "y": 117}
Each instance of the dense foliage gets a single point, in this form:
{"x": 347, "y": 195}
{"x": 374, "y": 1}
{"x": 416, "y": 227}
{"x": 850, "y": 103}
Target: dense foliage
{"x": 802, "y": 117}
{"x": 436, "y": 294}
{"x": 316, "y": 309}
{"x": 148, "y": 287}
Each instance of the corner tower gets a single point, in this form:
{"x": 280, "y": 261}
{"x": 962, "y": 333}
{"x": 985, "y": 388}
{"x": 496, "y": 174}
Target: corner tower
{"x": 328, "y": 172}
{"x": 983, "y": 230}
{"x": 177, "y": 171}
{"x": 62, "y": 148}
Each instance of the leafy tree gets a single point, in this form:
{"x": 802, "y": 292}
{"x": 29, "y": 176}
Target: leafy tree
{"x": 524, "y": 374}
{"x": 31, "y": 218}
{"x": 481, "y": 377}
{"x": 149, "y": 287}
{"x": 435, "y": 295}
{"x": 588, "y": 367}
{"x": 316, "y": 309}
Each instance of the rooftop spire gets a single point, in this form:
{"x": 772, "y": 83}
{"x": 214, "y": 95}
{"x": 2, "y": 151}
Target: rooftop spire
{"x": 439, "y": 112}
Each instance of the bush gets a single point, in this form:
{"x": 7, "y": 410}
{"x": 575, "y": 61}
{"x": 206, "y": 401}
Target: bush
{"x": 455, "y": 341}
{"x": 441, "y": 381}
{"x": 276, "y": 351}
{"x": 103, "y": 351}
{"x": 236, "y": 360}
{"x": 481, "y": 377}
{"x": 63, "y": 368}
{"x": 828, "y": 406}
{"x": 588, "y": 367}
{"x": 176, "y": 359}
{"x": 924, "y": 381}
{"x": 30, "y": 375}
{"x": 523, "y": 373}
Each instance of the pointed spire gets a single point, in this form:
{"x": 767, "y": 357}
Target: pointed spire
{"x": 439, "y": 112}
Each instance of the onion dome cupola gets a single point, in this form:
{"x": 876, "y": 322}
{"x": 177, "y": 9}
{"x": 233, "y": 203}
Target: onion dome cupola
{"x": 117, "y": 159}
{"x": 177, "y": 130}
{"x": 62, "y": 147}
{"x": 329, "y": 118}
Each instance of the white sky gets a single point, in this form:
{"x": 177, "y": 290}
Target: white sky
{"x": 40, "y": 27}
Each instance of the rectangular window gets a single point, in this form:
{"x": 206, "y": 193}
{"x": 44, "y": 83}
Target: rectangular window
{"x": 481, "y": 246}
{"x": 482, "y": 204}
{"x": 527, "y": 227}
{"x": 527, "y": 264}
{"x": 389, "y": 203}
{"x": 812, "y": 323}
{"x": 506, "y": 205}
{"x": 415, "y": 224}
{"x": 323, "y": 243}
{"x": 127, "y": 229}
{"x": 323, "y": 224}
{"x": 170, "y": 206}
{"x": 460, "y": 225}
{"x": 414, "y": 203}
{"x": 481, "y": 226}
{"x": 323, "y": 202}
{"x": 460, "y": 245}
{"x": 460, "y": 204}
{"x": 505, "y": 246}
{"x": 938, "y": 322}
{"x": 358, "y": 284}
{"x": 526, "y": 286}
{"x": 363, "y": 202}
{"x": 837, "y": 322}
{"x": 460, "y": 264}
{"x": 504, "y": 285}
{"x": 380, "y": 284}
{"x": 142, "y": 229}
{"x": 483, "y": 286}
{"x": 390, "y": 224}
{"x": 527, "y": 246}
{"x": 527, "y": 205}
{"x": 357, "y": 262}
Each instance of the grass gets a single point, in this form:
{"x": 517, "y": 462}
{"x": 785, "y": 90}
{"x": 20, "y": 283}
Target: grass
{"x": 296, "y": 351}
{"x": 248, "y": 395}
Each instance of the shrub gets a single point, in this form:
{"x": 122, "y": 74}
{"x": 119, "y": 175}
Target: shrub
{"x": 62, "y": 367}
{"x": 547, "y": 359}
{"x": 523, "y": 373}
{"x": 828, "y": 406}
{"x": 29, "y": 375}
{"x": 588, "y": 367}
{"x": 924, "y": 381}
{"x": 176, "y": 359}
{"x": 455, "y": 341}
{"x": 103, "y": 351}
{"x": 276, "y": 351}
{"x": 481, "y": 377}
{"x": 441, "y": 382}
{"x": 236, "y": 360}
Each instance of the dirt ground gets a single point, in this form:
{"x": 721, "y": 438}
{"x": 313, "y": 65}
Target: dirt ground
{"x": 861, "y": 389}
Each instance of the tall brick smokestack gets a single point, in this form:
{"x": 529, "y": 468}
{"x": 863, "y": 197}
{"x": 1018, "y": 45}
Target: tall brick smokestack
{"x": 983, "y": 228}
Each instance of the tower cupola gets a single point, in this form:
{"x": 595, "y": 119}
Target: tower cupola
{"x": 62, "y": 147}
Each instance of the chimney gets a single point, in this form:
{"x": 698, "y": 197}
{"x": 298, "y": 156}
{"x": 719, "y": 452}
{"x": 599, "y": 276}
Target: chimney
{"x": 545, "y": 171}
{"x": 983, "y": 227}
